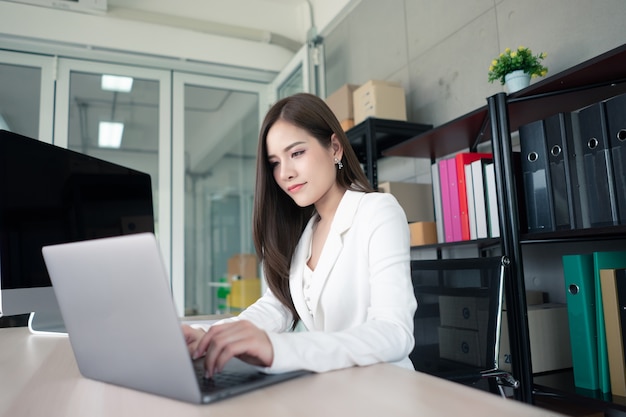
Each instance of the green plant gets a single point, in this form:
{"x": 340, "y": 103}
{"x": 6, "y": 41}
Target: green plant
{"x": 520, "y": 59}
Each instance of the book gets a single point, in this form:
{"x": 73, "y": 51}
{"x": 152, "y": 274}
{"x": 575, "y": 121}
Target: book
{"x": 462, "y": 159}
{"x": 614, "y": 330}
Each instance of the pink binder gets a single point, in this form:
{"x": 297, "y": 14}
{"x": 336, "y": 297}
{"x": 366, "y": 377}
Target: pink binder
{"x": 445, "y": 199}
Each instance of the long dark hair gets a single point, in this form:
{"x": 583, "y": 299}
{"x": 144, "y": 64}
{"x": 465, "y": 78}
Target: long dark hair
{"x": 277, "y": 220}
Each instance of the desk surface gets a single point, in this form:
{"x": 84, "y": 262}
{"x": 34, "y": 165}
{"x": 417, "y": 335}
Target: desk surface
{"x": 39, "y": 377}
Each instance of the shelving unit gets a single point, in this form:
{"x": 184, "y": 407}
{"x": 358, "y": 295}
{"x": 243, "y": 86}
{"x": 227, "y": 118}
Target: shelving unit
{"x": 373, "y": 136}
{"x": 589, "y": 82}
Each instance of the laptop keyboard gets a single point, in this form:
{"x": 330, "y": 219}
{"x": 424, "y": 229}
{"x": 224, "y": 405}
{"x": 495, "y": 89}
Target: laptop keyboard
{"x": 224, "y": 379}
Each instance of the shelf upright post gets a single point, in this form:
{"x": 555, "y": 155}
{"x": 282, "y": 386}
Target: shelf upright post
{"x": 510, "y": 237}
{"x": 371, "y": 152}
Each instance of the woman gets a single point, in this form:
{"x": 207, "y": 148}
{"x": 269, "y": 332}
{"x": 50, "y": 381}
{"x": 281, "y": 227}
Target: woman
{"x": 335, "y": 256}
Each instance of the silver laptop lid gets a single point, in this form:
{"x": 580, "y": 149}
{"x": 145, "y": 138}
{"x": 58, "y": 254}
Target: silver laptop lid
{"x": 115, "y": 299}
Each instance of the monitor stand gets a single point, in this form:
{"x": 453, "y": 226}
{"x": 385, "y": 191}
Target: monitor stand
{"x": 46, "y": 322}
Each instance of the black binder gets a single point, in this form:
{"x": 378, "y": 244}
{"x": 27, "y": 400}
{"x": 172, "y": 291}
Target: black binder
{"x": 598, "y": 167}
{"x": 536, "y": 177}
{"x": 563, "y": 175}
{"x": 620, "y": 285}
{"x": 616, "y": 128}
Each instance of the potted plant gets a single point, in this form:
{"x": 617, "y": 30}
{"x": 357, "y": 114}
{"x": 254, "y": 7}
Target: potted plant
{"x": 517, "y": 64}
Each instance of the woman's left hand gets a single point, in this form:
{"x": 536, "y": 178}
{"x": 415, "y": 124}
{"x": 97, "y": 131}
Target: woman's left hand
{"x": 240, "y": 339}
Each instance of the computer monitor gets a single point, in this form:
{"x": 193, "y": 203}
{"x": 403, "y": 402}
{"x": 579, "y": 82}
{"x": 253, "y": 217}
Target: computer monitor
{"x": 51, "y": 195}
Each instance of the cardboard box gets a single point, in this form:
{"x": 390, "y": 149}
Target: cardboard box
{"x": 415, "y": 199}
{"x": 461, "y": 345}
{"x": 533, "y": 297}
{"x": 463, "y": 312}
{"x": 341, "y": 102}
{"x": 548, "y": 329}
{"x": 381, "y": 99}
{"x": 243, "y": 292}
{"x": 347, "y": 124}
{"x": 244, "y": 266}
{"x": 423, "y": 233}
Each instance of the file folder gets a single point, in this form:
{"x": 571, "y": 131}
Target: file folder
{"x": 480, "y": 197}
{"x": 446, "y": 208}
{"x": 597, "y": 166}
{"x": 613, "y": 326}
{"x": 616, "y": 126}
{"x": 620, "y": 288}
{"x": 493, "y": 215}
{"x": 455, "y": 207}
{"x": 604, "y": 260}
{"x": 462, "y": 159}
{"x": 434, "y": 170}
{"x": 563, "y": 174}
{"x": 580, "y": 298}
{"x": 536, "y": 177}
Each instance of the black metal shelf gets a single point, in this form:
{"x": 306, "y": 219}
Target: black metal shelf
{"x": 594, "y": 80}
{"x": 481, "y": 244}
{"x": 575, "y": 235}
{"x": 373, "y": 136}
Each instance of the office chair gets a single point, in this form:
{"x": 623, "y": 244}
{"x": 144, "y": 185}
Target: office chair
{"x": 458, "y": 320}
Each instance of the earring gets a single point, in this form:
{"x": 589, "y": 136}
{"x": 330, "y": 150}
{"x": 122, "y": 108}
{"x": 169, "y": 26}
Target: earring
{"x": 339, "y": 163}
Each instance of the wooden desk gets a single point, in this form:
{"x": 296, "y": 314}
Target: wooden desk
{"x": 39, "y": 377}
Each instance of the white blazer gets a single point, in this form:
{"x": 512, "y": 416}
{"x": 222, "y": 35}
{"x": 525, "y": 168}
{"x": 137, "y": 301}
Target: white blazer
{"x": 362, "y": 299}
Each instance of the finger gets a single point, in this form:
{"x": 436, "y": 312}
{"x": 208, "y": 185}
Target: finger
{"x": 218, "y": 346}
{"x": 243, "y": 340}
{"x": 192, "y": 336}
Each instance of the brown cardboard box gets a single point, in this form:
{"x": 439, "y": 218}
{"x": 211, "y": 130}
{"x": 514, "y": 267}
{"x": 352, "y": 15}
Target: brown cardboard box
{"x": 347, "y": 124}
{"x": 243, "y": 292}
{"x": 423, "y": 233}
{"x": 533, "y": 297}
{"x": 415, "y": 199}
{"x": 381, "y": 99}
{"x": 463, "y": 312}
{"x": 243, "y": 265}
{"x": 548, "y": 330}
{"x": 340, "y": 102}
{"x": 460, "y": 345}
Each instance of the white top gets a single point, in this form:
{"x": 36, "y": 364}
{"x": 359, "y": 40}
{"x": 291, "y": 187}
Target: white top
{"x": 360, "y": 304}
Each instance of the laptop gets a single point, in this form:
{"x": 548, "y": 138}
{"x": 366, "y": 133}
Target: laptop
{"x": 117, "y": 307}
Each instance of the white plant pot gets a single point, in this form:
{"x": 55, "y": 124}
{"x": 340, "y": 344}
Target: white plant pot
{"x": 516, "y": 81}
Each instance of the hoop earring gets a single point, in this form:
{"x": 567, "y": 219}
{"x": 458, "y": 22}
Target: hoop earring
{"x": 338, "y": 163}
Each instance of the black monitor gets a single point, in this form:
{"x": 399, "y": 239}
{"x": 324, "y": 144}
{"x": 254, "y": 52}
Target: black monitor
{"x": 51, "y": 195}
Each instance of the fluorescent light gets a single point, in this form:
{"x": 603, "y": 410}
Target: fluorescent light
{"x": 110, "y": 134}
{"x": 116, "y": 83}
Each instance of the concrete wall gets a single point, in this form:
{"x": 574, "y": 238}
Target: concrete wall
{"x": 440, "y": 50}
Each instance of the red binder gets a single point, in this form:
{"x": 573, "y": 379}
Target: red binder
{"x": 461, "y": 160}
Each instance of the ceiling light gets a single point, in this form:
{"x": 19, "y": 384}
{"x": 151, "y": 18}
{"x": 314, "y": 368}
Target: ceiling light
{"x": 117, "y": 83}
{"x": 110, "y": 134}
